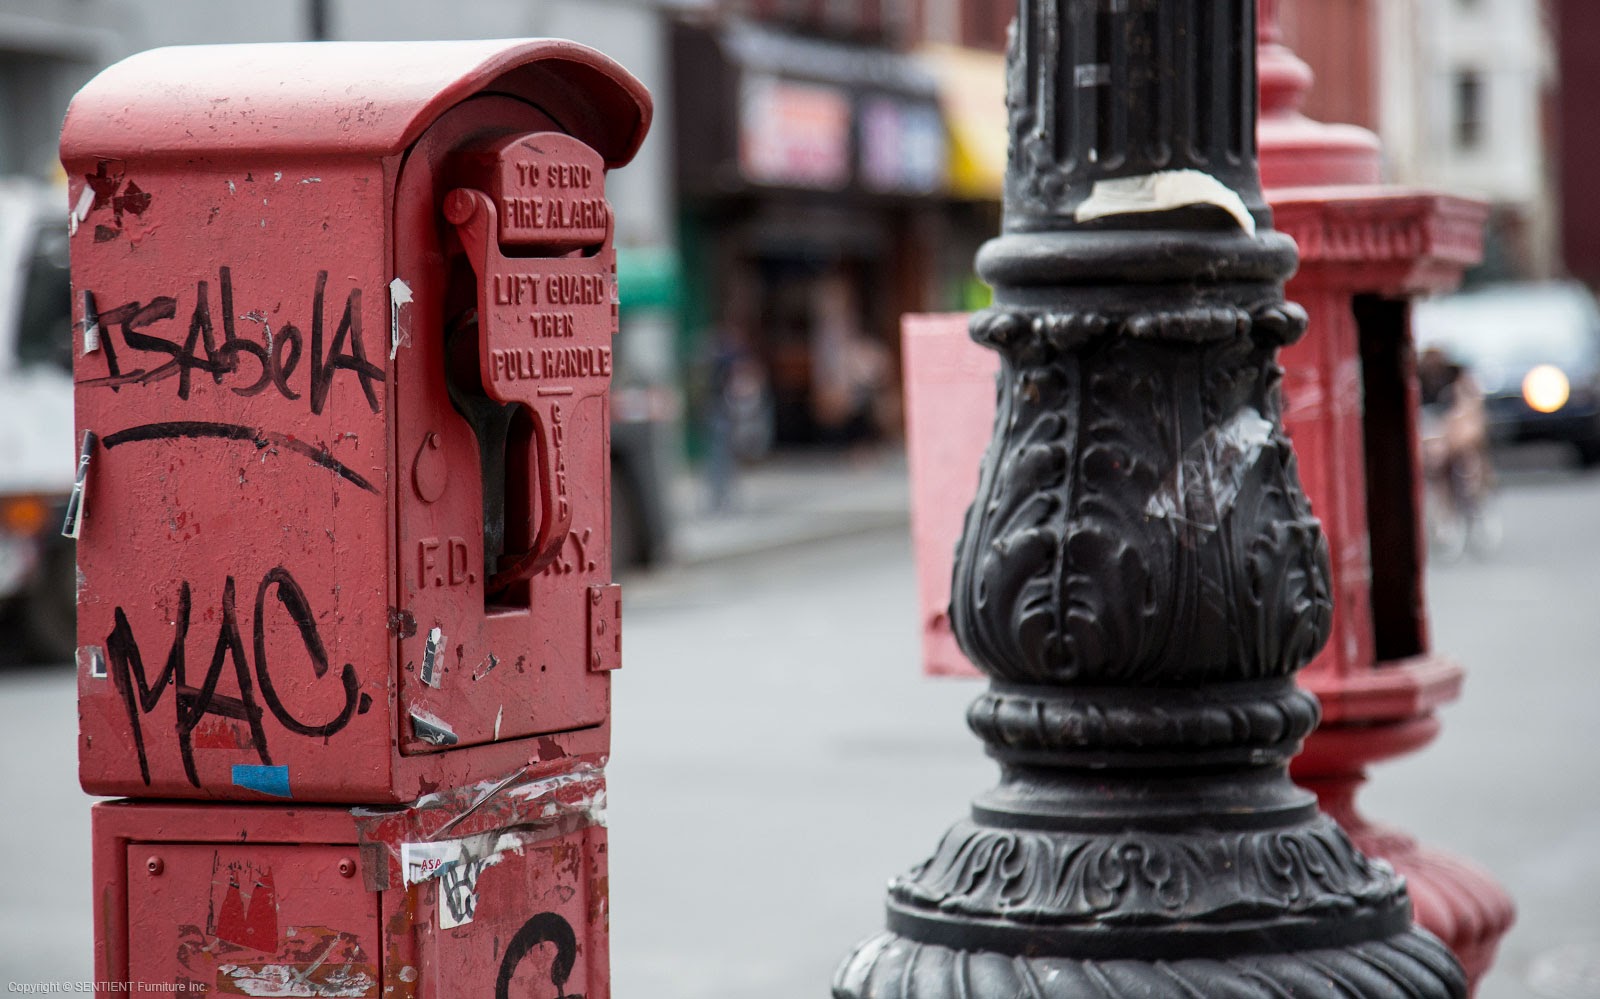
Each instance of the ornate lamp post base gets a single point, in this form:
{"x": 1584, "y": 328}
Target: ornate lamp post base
{"x": 1140, "y": 574}
{"x": 893, "y": 967}
{"x": 1095, "y": 884}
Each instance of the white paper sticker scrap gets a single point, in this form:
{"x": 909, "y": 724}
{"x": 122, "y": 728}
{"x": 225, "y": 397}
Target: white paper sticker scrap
{"x": 1163, "y": 192}
{"x": 80, "y": 210}
{"x": 399, "y": 294}
{"x": 91, "y": 324}
{"x": 456, "y": 865}
{"x": 76, "y": 502}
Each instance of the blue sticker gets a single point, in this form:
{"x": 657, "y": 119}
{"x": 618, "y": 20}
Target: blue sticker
{"x": 267, "y": 780}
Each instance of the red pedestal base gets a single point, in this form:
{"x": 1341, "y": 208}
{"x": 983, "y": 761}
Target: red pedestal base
{"x": 1454, "y": 899}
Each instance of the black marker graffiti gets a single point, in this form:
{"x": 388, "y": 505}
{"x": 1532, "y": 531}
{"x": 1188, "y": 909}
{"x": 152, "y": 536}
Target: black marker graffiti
{"x": 277, "y": 355}
{"x": 141, "y": 697}
{"x": 546, "y": 927}
{"x": 195, "y": 429}
{"x": 458, "y": 887}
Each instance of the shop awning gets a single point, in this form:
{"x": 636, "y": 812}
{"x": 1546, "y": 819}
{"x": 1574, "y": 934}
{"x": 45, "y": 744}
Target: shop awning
{"x": 972, "y": 95}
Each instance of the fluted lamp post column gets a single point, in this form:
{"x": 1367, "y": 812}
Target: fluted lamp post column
{"x": 1140, "y": 575}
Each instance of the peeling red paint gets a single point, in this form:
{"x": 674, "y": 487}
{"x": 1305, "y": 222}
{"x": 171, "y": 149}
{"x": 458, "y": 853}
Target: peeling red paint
{"x": 255, "y": 926}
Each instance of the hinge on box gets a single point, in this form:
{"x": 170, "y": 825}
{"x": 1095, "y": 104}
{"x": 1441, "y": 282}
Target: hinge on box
{"x": 605, "y": 627}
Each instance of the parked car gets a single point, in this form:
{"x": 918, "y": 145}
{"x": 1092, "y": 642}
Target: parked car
{"x": 1534, "y": 350}
{"x": 38, "y": 571}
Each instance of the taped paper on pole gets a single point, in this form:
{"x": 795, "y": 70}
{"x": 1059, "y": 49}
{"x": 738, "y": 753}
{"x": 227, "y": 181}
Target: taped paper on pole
{"x": 1163, "y": 192}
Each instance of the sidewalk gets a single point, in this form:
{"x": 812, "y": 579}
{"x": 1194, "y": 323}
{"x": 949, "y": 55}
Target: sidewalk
{"x": 790, "y": 500}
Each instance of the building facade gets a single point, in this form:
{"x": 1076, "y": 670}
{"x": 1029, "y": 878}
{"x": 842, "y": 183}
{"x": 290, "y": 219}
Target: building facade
{"x": 1575, "y": 27}
{"x": 837, "y": 168}
{"x": 1459, "y": 91}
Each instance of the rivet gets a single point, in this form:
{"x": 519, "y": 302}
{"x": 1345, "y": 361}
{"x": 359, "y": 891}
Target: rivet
{"x": 154, "y": 865}
{"x": 347, "y": 868}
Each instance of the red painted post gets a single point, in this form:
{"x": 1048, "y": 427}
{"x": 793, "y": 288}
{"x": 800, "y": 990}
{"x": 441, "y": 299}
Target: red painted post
{"x": 1350, "y": 407}
{"x": 1365, "y": 251}
{"x": 342, "y": 345}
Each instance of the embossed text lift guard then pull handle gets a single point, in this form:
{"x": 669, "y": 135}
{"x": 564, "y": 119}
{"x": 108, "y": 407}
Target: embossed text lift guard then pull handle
{"x": 513, "y": 367}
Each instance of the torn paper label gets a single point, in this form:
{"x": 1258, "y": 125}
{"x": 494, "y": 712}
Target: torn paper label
{"x": 433, "y": 730}
{"x": 92, "y": 660}
{"x": 539, "y": 810}
{"x": 426, "y": 861}
{"x": 421, "y": 862}
{"x": 80, "y": 211}
{"x": 399, "y": 294}
{"x": 73, "y": 525}
{"x": 91, "y": 324}
{"x": 458, "y": 891}
{"x": 456, "y": 865}
{"x": 430, "y": 658}
{"x": 269, "y": 780}
{"x": 1163, "y": 192}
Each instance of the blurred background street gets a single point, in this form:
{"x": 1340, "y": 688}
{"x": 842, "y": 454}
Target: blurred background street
{"x": 778, "y": 755}
{"x": 816, "y": 171}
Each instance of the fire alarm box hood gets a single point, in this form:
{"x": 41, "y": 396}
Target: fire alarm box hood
{"x": 357, "y": 98}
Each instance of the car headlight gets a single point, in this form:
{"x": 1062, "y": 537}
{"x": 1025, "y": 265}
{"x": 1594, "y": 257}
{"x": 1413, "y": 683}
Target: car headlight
{"x": 1546, "y": 388}
{"x": 24, "y": 516}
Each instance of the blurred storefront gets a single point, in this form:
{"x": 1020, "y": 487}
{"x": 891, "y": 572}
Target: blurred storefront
{"x": 817, "y": 206}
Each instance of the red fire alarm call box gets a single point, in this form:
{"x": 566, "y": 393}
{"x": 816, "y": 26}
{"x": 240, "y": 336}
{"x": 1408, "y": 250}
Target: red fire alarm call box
{"x": 343, "y": 345}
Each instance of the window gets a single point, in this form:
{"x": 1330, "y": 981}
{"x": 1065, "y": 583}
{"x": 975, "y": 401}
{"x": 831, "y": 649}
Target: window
{"x": 1469, "y": 125}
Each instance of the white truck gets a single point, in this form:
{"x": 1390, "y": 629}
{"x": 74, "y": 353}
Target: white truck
{"x": 38, "y": 571}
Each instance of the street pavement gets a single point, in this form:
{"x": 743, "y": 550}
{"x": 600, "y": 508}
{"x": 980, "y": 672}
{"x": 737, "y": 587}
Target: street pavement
{"x": 1514, "y": 780}
{"x": 777, "y": 756}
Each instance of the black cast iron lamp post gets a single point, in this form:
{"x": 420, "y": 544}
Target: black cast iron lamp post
{"x": 1140, "y": 575}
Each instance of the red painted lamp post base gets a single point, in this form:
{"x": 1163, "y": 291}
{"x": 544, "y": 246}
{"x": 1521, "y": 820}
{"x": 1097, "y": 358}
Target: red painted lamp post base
{"x": 1454, "y": 899}
{"x": 1365, "y": 250}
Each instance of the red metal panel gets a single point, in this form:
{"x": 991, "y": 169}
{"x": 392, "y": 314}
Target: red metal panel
{"x": 1322, "y": 395}
{"x": 498, "y": 888}
{"x": 546, "y": 904}
{"x": 230, "y": 359}
{"x": 949, "y": 417}
{"x": 118, "y": 824}
{"x": 248, "y": 919}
